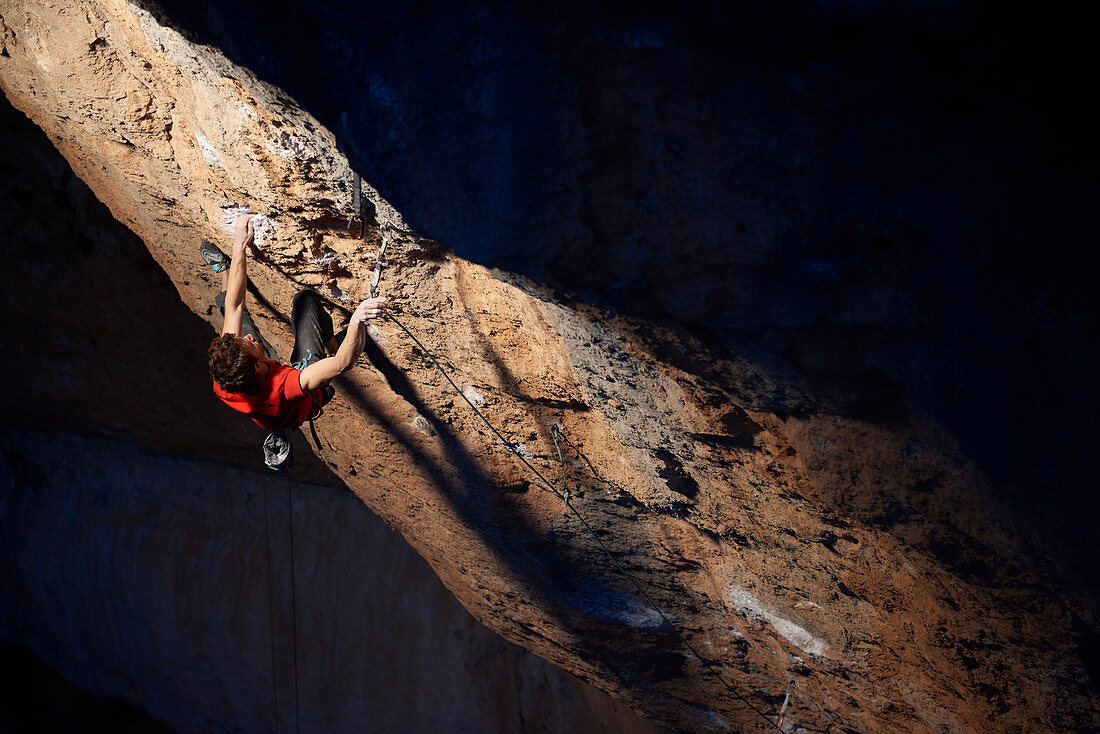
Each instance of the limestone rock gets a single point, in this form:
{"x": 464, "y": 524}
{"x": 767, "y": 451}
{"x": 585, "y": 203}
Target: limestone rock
{"x": 752, "y": 527}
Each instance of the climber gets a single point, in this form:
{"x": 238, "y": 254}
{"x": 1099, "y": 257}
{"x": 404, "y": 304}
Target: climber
{"x": 247, "y": 374}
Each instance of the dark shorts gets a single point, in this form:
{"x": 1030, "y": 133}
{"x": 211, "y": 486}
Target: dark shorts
{"x": 312, "y": 332}
{"x": 312, "y": 329}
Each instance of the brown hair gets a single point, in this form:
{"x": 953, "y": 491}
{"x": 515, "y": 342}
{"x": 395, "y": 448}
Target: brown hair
{"x": 231, "y": 366}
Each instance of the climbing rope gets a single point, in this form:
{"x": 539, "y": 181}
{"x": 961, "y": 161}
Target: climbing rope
{"x": 293, "y": 608}
{"x": 271, "y": 617}
{"x": 561, "y": 458}
{"x": 293, "y": 601}
{"x": 562, "y": 495}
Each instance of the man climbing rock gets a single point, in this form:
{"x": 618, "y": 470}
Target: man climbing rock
{"x": 247, "y": 375}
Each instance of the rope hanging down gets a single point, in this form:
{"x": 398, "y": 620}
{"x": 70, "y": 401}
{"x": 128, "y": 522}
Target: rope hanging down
{"x": 271, "y": 616}
{"x": 293, "y": 602}
{"x": 293, "y": 608}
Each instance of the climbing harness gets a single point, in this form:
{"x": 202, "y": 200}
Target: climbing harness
{"x": 302, "y": 363}
{"x": 278, "y": 451}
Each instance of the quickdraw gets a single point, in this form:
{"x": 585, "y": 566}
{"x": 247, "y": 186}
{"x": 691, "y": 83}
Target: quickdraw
{"x": 379, "y": 262}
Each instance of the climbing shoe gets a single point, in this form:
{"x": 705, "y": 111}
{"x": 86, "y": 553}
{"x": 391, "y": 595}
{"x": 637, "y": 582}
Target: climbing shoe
{"x": 214, "y": 257}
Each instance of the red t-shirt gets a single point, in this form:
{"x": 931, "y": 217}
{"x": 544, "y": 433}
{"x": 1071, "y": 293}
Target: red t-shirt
{"x": 279, "y": 404}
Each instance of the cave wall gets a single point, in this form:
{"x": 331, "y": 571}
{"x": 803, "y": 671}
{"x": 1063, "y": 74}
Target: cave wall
{"x": 799, "y": 441}
{"x": 144, "y": 576}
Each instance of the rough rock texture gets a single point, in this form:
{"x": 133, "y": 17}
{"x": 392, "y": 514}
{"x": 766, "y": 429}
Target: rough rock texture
{"x": 782, "y": 499}
{"x": 93, "y": 529}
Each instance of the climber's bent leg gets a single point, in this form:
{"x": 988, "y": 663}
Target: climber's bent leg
{"x": 312, "y": 329}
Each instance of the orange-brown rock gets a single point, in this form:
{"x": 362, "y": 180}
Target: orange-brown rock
{"x": 152, "y": 574}
{"x": 726, "y": 516}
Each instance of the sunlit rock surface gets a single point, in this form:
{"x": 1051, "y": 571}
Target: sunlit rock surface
{"x": 143, "y": 575}
{"x": 772, "y": 440}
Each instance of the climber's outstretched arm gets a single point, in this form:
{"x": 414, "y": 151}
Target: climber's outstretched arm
{"x": 320, "y": 373}
{"x": 243, "y": 236}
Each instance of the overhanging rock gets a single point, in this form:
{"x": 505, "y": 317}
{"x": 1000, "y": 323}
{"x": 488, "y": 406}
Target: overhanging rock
{"x": 719, "y": 511}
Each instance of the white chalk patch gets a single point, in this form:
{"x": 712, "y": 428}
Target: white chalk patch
{"x": 245, "y": 111}
{"x": 473, "y": 396}
{"x": 263, "y": 227}
{"x": 287, "y": 146}
{"x": 325, "y": 261}
{"x": 209, "y": 153}
{"x": 798, "y": 636}
{"x": 422, "y": 424}
{"x": 522, "y": 450}
{"x": 41, "y": 53}
{"x": 336, "y": 294}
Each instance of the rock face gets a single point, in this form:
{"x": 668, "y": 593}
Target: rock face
{"x": 144, "y": 575}
{"x": 783, "y": 499}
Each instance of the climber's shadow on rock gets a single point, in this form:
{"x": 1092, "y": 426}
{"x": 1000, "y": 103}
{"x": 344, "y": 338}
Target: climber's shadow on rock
{"x": 562, "y": 568}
